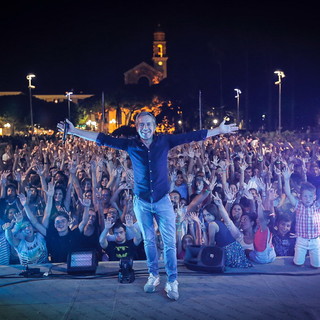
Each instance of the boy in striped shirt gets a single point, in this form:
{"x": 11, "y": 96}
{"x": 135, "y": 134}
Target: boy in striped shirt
{"x": 307, "y": 211}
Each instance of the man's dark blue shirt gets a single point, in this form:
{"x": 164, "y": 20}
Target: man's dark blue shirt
{"x": 150, "y": 165}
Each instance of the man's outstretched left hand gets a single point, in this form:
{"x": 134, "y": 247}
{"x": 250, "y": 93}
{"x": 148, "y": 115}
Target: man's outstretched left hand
{"x": 228, "y": 128}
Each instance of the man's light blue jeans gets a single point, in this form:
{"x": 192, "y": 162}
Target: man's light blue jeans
{"x": 165, "y": 216}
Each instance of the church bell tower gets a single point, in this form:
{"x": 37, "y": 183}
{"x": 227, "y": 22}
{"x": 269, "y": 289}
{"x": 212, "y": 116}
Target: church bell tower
{"x": 159, "y": 57}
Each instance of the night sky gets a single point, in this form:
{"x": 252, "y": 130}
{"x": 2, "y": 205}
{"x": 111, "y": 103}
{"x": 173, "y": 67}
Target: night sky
{"x": 87, "y": 46}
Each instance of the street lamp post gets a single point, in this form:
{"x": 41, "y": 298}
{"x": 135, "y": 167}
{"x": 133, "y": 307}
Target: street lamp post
{"x": 68, "y": 95}
{"x": 280, "y": 75}
{"x": 238, "y": 91}
{"x": 30, "y": 86}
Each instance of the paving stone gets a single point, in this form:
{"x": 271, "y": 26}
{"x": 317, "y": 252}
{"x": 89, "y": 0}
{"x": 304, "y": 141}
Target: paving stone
{"x": 275, "y": 291}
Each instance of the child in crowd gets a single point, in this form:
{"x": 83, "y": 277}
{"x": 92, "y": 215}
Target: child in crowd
{"x": 263, "y": 248}
{"x": 283, "y": 240}
{"x": 307, "y": 212}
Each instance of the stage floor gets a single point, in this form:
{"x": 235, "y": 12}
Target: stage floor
{"x": 275, "y": 291}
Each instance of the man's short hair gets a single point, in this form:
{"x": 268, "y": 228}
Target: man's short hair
{"x": 308, "y": 187}
{"x": 285, "y": 216}
{"x": 145, "y": 113}
{"x": 23, "y": 224}
{"x": 175, "y": 191}
{"x": 62, "y": 214}
{"x": 118, "y": 224}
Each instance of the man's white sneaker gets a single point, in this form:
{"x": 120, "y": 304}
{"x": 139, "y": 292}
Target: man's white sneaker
{"x": 172, "y": 290}
{"x": 151, "y": 284}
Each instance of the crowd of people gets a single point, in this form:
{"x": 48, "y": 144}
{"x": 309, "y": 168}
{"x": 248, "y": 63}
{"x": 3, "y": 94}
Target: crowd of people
{"x": 256, "y": 198}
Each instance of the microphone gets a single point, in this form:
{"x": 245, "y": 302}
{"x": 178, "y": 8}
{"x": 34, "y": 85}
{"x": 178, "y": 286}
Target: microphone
{"x": 65, "y": 130}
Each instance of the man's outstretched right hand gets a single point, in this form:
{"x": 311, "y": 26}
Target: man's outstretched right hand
{"x": 60, "y": 126}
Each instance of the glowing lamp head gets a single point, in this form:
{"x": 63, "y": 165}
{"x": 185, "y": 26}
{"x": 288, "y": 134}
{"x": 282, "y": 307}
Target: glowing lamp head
{"x": 280, "y": 75}
{"x": 29, "y": 78}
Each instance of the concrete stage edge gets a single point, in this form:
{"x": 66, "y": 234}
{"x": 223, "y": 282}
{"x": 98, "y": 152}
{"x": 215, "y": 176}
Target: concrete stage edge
{"x": 274, "y": 291}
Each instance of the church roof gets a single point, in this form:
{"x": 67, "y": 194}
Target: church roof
{"x": 142, "y": 66}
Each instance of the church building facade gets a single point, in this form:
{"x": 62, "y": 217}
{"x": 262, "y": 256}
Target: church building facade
{"x": 156, "y": 73}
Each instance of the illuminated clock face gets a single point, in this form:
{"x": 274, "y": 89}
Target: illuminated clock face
{"x": 160, "y": 63}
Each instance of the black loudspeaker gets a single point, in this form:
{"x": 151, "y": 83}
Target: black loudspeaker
{"x": 205, "y": 258}
{"x": 82, "y": 262}
{"x": 126, "y": 272}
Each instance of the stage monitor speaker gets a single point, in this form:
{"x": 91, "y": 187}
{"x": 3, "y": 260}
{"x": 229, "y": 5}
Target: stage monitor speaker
{"x": 205, "y": 258}
{"x": 82, "y": 262}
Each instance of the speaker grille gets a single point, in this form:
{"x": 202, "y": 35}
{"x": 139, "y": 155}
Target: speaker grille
{"x": 210, "y": 256}
{"x": 205, "y": 259}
